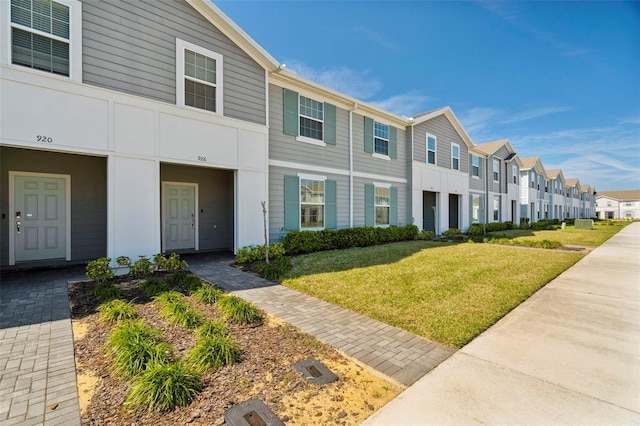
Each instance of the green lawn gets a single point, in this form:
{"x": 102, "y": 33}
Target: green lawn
{"x": 600, "y": 233}
{"x": 447, "y": 293}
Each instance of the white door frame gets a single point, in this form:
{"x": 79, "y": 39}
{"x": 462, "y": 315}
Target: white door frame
{"x": 196, "y": 211}
{"x": 12, "y": 211}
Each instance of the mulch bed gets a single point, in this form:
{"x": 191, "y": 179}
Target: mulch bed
{"x": 265, "y": 370}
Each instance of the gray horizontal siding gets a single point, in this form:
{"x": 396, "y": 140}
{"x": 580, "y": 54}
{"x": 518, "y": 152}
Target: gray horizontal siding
{"x": 130, "y": 47}
{"x": 502, "y": 153}
{"x": 286, "y": 148}
{"x": 359, "y": 206}
{"x": 276, "y": 199}
{"x": 493, "y": 185}
{"x": 366, "y": 163}
{"x": 477, "y": 183}
{"x": 445, "y": 134}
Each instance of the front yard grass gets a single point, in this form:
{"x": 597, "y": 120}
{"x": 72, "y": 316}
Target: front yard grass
{"x": 600, "y": 233}
{"x": 444, "y": 292}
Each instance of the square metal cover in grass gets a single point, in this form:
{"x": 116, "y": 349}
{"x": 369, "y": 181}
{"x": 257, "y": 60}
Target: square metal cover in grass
{"x": 251, "y": 412}
{"x": 315, "y": 372}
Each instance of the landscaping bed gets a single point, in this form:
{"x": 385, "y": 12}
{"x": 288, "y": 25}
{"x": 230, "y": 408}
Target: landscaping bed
{"x": 264, "y": 369}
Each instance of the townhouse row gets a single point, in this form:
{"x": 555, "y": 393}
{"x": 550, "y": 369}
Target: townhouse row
{"x": 138, "y": 127}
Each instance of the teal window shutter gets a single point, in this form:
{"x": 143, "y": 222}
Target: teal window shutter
{"x": 368, "y": 135}
{"x": 330, "y": 205}
{"x": 290, "y": 102}
{"x": 329, "y": 124}
{"x": 393, "y": 206}
{"x": 291, "y": 203}
{"x": 369, "y": 207}
{"x": 393, "y": 142}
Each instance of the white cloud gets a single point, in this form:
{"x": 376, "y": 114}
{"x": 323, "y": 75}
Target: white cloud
{"x": 406, "y": 104}
{"x": 478, "y": 122}
{"x": 533, "y": 113}
{"x": 373, "y": 36}
{"x": 359, "y": 84}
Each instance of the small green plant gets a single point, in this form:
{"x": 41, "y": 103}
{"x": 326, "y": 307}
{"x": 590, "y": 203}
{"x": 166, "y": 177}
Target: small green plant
{"x": 211, "y": 353}
{"x": 179, "y": 311}
{"x": 169, "y": 297}
{"x": 255, "y": 253}
{"x": 207, "y": 294}
{"x": 164, "y": 387}
{"x": 141, "y": 267}
{"x": 123, "y": 261}
{"x": 134, "y": 345}
{"x": 275, "y": 269}
{"x": 178, "y": 278}
{"x": 99, "y": 269}
{"x": 426, "y": 235}
{"x": 239, "y": 311}
{"x": 171, "y": 263}
{"x": 192, "y": 283}
{"x": 117, "y": 310}
{"x": 154, "y": 286}
{"x": 106, "y": 291}
{"x": 212, "y": 328}
{"x": 451, "y": 232}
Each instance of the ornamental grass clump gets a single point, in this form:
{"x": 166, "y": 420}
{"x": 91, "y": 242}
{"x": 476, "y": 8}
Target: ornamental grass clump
{"x": 211, "y": 353}
{"x": 239, "y": 311}
{"x": 212, "y": 328}
{"x": 164, "y": 387}
{"x": 134, "y": 345}
{"x": 208, "y": 294}
{"x": 154, "y": 286}
{"x": 178, "y": 310}
{"x": 117, "y": 310}
{"x": 106, "y": 291}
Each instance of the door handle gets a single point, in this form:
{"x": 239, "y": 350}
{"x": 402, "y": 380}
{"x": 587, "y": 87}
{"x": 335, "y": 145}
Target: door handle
{"x": 18, "y": 223}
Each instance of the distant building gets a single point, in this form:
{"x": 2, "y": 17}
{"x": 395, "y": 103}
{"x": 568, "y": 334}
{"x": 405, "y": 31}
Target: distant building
{"x": 618, "y": 204}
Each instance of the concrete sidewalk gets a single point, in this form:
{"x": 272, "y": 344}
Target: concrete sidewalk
{"x": 568, "y": 355}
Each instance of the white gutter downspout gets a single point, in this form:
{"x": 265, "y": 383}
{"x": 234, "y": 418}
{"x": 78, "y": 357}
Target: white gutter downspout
{"x": 355, "y": 106}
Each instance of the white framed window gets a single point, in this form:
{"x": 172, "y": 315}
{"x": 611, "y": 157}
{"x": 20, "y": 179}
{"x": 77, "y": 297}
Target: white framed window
{"x": 312, "y": 199}
{"x": 455, "y": 156}
{"x": 380, "y": 138}
{"x": 514, "y": 172}
{"x": 496, "y": 208}
{"x": 496, "y": 170}
{"x": 311, "y": 118}
{"x": 432, "y": 143}
{"x": 546, "y": 185}
{"x": 475, "y": 166}
{"x": 382, "y": 203}
{"x": 45, "y": 35}
{"x": 199, "y": 77}
{"x": 628, "y": 204}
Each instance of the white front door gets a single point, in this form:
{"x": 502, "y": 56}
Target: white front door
{"x": 39, "y": 217}
{"x": 179, "y": 216}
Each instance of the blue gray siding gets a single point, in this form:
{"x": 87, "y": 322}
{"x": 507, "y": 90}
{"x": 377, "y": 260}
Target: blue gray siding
{"x": 446, "y": 134}
{"x": 130, "y": 46}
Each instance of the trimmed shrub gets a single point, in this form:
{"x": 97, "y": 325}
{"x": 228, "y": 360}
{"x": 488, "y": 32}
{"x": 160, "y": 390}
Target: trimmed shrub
{"x": 479, "y": 228}
{"x": 164, "y": 387}
{"x": 524, "y": 222}
{"x": 426, "y": 235}
{"x": 171, "y": 263}
{"x": 275, "y": 269}
{"x": 239, "y": 311}
{"x": 141, "y": 267}
{"x": 254, "y": 253}
{"x": 99, "y": 269}
{"x": 451, "y": 232}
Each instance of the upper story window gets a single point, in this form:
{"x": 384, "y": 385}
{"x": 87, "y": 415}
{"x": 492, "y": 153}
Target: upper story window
{"x": 311, "y": 203}
{"x": 431, "y": 149}
{"x": 455, "y": 156}
{"x": 496, "y": 170}
{"x": 382, "y": 205}
{"x": 45, "y": 36}
{"x": 608, "y": 203}
{"x": 514, "y": 172}
{"x": 628, "y": 204}
{"x": 546, "y": 186}
{"x": 311, "y": 118}
{"x": 380, "y": 138}
{"x": 533, "y": 180}
{"x": 199, "y": 77}
{"x": 475, "y": 166}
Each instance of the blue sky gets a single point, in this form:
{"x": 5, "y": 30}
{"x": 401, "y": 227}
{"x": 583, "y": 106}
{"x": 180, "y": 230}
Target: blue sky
{"x": 560, "y": 80}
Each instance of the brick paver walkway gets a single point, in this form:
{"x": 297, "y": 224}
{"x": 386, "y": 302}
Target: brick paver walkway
{"x": 37, "y": 367}
{"x": 401, "y": 355}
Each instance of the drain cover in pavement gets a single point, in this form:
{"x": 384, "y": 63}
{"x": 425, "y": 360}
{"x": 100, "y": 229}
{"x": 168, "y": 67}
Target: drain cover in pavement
{"x": 315, "y": 372}
{"x": 251, "y": 412}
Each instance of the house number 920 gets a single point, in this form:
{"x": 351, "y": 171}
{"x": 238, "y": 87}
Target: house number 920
{"x": 45, "y": 139}
{"x": 202, "y": 158}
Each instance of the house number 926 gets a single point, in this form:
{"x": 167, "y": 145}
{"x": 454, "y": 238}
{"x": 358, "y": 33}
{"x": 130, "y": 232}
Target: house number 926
{"x": 202, "y": 158}
{"x": 45, "y": 139}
